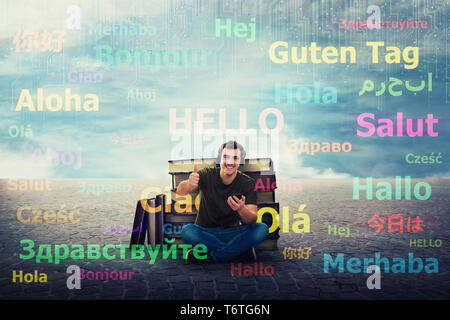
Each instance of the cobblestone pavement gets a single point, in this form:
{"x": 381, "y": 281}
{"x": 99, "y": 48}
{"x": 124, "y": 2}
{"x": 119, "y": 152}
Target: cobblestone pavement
{"x": 328, "y": 202}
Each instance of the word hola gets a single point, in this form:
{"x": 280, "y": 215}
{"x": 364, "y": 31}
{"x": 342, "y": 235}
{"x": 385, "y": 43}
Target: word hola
{"x": 28, "y": 131}
{"x": 50, "y": 216}
{"x": 84, "y": 76}
{"x": 384, "y": 189}
{"x": 316, "y": 147}
{"x": 368, "y": 86}
{"x": 29, "y": 277}
{"x": 300, "y": 253}
{"x": 304, "y": 222}
{"x": 255, "y": 270}
{"x": 305, "y": 94}
{"x": 29, "y": 185}
{"x": 378, "y": 222}
{"x": 431, "y": 159}
{"x": 341, "y": 231}
{"x": 240, "y": 30}
{"x": 421, "y": 243}
{"x": 90, "y": 102}
{"x": 67, "y": 158}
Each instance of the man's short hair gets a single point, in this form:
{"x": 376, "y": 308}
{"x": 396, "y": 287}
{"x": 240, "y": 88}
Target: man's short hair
{"x": 231, "y": 145}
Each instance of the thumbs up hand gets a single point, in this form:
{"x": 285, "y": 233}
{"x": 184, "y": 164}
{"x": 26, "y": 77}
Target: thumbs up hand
{"x": 194, "y": 178}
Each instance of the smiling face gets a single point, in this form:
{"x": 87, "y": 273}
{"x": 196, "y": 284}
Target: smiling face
{"x": 231, "y": 159}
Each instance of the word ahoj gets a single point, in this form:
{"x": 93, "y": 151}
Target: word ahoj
{"x": 114, "y": 275}
{"x": 90, "y": 102}
{"x": 138, "y": 94}
{"x": 67, "y": 158}
{"x": 305, "y": 94}
{"x": 84, "y": 76}
{"x": 172, "y": 228}
{"x": 291, "y": 253}
{"x": 340, "y": 231}
{"x": 50, "y": 216}
{"x": 330, "y": 54}
{"x": 305, "y": 221}
{"x": 378, "y": 222}
{"x": 126, "y": 139}
{"x": 97, "y": 188}
{"x": 28, "y": 131}
{"x": 384, "y": 189}
{"x": 30, "y": 40}
{"x": 374, "y": 281}
{"x": 315, "y": 146}
{"x": 29, "y": 277}
{"x": 29, "y": 185}
{"x": 110, "y": 229}
{"x": 239, "y": 30}
{"x": 398, "y": 264}
{"x": 386, "y": 126}
{"x": 368, "y": 86}
{"x": 421, "y": 243}
{"x": 431, "y": 159}
{"x": 255, "y": 270}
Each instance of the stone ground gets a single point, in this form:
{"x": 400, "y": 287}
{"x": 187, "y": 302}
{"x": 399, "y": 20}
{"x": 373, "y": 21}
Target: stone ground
{"x": 328, "y": 203}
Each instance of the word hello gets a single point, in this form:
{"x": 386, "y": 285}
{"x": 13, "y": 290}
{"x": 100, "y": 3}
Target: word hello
{"x": 415, "y": 265}
{"x": 67, "y": 158}
{"x": 50, "y": 216}
{"x": 431, "y": 159}
{"x": 138, "y": 94}
{"x": 341, "y": 231}
{"x": 255, "y": 270}
{"x": 84, "y": 76}
{"x": 28, "y": 185}
{"x": 384, "y": 191}
{"x": 28, "y": 131}
{"x": 421, "y": 243}
{"x": 90, "y": 102}
{"x": 305, "y": 221}
{"x": 239, "y": 29}
{"x": 29, "y": 277}
{"x": 386, "y": 126}
{"x": 305, "y": 94}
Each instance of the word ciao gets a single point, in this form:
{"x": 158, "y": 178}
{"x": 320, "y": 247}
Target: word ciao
{"x": 29, "y": 40}
{"x": 239, "y": 29}
{"x": 431, "y": 159}
{"x": 29, "y": 277}
{"x": 94, "y": 251}
{"x": 378, "y": 222}
{"x": 90, "y": 102}
{"x": 386, "y": 126}
{"x": 84, "y": 76}
{"x": 97, "y": 188}
{"x": 415, "y": 265}
{"x": 304, "y": 222}
{"x": 28, "y": 131}
{"x": 305, "y": 94}
{"x": 297, "y": 144}
{"x": 368, "y": 86}
{"x": 67, "y": 158}
{"x": 139, "y": 94}
{"x": 384, "y": 189}
{"x": 300, "y": 253}
{"x": 421, "y": 243}
{"x": 388, "y": 24}
{"x": 50, "y": 216}
{"x": 255, "y": 270}
{"x": 330, "y": 55}
{"x": 29, "y": 185}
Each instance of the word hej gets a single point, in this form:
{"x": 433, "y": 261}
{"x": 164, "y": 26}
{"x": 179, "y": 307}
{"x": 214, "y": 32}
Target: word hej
{"x": 29, "y": 277}
{"x": 255, "y": 270}
{"x": 94, "y": 251}
{"x": 420, "y": 243}
{"x": 378, "y": 222}
{"x": 239, "y": 29}
{"x": 44, "y": 41}
{"x": 315, "y": 146}
{"x": 77, "y": 274}
{"x": 28, "y": 131}
{"x": 103, "y": 187}
{"x": 50, "y": 216}
{"x": 330, "y": 54}
{"x": 138, "y": 94}
{"x": 28, "y": 185}
{"x": 305, "y": 94}
{"x": 398, "y": 264}
{"x": 384, "y": 189}
{"x": 290, "y": 253}
{"x": 54, "y": 156}
{"x": 341, "y": 231}
{"x": 386, "y": 126}
{"x": 84, "y": 76}
{"x": 431, "y": 159}
{"x": 126, "y": 139}
{"x": 89, "y": 104}
{"x": 368, "y": 86}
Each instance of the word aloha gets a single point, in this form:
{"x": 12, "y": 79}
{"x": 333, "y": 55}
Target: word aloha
{"x": 28, "y": 185}
{"x": 315, "y": 146}
{"x": 28, "y": 131}
{"x": 378, "y": 222}
{"x": 424, "y": 159}
{"x": 54, "y": 155}
{"x": 94, "y": 251}
{"x": 368, "y": 86}
{"x": 31, "y": 39}
{"x": 126, "y": 139}
{"x": 29, "y": 277}
{"x": 50, "y": 216}
{"x": 255, "y": 270}
{"x": 109, "y": 229}
{"x": 97, "y": 188}
{"x": 291, "y": 253}
{"x": 398, "y": 264}
{"x": 394, "y": 24}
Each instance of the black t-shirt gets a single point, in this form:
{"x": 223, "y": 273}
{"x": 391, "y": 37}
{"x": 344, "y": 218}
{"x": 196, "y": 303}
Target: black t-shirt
{"x": 214, "y": 210}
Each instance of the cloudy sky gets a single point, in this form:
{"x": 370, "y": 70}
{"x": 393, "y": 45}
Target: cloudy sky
{"x": 238, "y": 74}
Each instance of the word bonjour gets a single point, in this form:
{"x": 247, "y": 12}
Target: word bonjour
{"x": 384, "y": 189}
{"x": 353, "y": 265}
{"x": 291, "y": 253}
{"x": 239, "y": 30}
{"x": 431, "y": 159}
{"x": 255, "y": 270}
{"x": 386, "y": 126}
{"x": 30, "y": 40}
{"x": 29, "y": 277}
{"x": 84, "y": 76}
{"x": 126, "y": 139}
{"x": 97, "y": 188}
{"x": 54, "y": 156}
{"x": 90, "y": 102}
{"x": 305, "y": 94}
{"x": 28, "y": 131}
{"x": 29, "y": 185}
{"x": 50, "y": 216}
{"x": 95, "y": 251}
{"x": 330, "y": 54}
{"x": 341, "y": 231}
{"x": 114, "y": 275}
{"x": 388, "y": 24}
{"x": 315, "y": 146}
{"x": 421, "y": 243}
{"x": 368, "y": 86}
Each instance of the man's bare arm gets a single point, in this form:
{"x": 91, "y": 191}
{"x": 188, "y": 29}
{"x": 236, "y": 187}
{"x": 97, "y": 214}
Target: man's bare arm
{"x": 189, "y": 185}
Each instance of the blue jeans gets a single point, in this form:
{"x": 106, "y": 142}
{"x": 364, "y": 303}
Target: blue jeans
{"x": 225, "y": 243}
